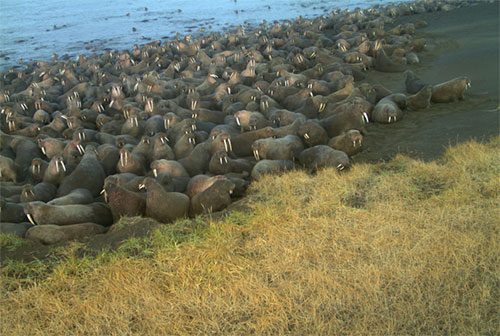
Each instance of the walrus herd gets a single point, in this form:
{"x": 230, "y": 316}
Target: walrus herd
{"x": 180, "y": 128}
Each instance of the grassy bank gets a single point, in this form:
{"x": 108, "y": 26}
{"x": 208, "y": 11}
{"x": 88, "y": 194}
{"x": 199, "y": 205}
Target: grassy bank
{"x": 404, "y": 247}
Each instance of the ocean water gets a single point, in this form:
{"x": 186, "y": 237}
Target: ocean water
{"x": 34, "y": 30}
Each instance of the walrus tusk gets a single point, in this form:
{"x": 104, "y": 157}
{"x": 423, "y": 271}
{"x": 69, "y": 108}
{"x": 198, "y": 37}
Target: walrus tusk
{"x": 80, "y": 149}
{"x": 155, "y": 172}
{"x": 44, "y": 151}
{"x": 31, "y": 219}
{"x": 225, "y": 145}
{"x": 306, "y": 136}
{"x": 340, "y": 166}
{"x": 63, "y": 166}
{"x": 230, "y": 145}
{"x": 322, "y": 107}
{"x": 365, "y": 117}
{"x": 238, "y": 121}
{"x": 142, "y": 186}
{"x": 256, "y": 154}
{"x": 220, "y": 160}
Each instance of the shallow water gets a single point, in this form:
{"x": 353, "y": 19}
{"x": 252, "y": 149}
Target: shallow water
{"x": 34, "y": 30}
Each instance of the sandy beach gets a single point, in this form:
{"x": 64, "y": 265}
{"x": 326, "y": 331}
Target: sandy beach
{"x": 462, "y": 42}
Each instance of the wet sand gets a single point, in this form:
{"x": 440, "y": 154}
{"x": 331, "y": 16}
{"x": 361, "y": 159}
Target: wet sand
{"x": 462, "y": 42}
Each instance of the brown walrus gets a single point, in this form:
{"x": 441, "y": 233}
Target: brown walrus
{"x": 164, "y": 206}
{"x": 40, "y": 213}
{"x": 450, "y": 91}
{"x": 349, "y": 142}
{"x": 384, "y": 64}
{"x": 322, "y": 156}
{"x": 389, "y": 109}
{"x": 420, "y": 100}
{"x": 215, "y": 198}
{"x": 52, "y": 234}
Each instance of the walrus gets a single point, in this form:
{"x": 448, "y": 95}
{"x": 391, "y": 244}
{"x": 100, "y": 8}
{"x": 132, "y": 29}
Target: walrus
{"x": 291, "y": 129}
{"x": 322, "y": 156}
{"x": 342, "y": 122}
{"x": 12, "y": 212}
{"x": 15, "y": 229}
{"x": 242, "y": 144}
{"x": 384, "y": 64}
{"x": 40, "y": 192}
{"x": 131, "y": 163}
{"x": 450, "y": 91}
{"x": 420, "y": 100}
{"x": 221, "y": 164}
{"x": 201, "y": 182}
{"x": 10, "y": 189}
{"x": 51, "y": 147}
{"x": 349, "y": 142}
{"x": 39, "y": 213}
{"x": 184, "y": 145}
{"x": 250, "y": 120}
{"x": 164, "y": 206}
{"x": 9, "y": 170}
{"x": 198, "y": 160}
{"x": 108, "y": 156}
{"x": 265, "y": 167}
{"x": 52, "y": 234}
{"x": 89, "y": 174}
{"x": 413, "y": 83}
{"x": 215, "y": 198}
{"x": 77, "y": 196}
{"x": 286, "y": 148}
{"x": 389, "y": 109}
{"x": 25, "y": 150}
{"x": 123, "y": 202}
{"x": 172, "y": 167}
{"x": 56, "y": 171}
{"x": 313, "y": 133}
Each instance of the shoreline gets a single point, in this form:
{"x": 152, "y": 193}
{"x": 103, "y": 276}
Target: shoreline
{"x": 454, "y": 49}
{"x": 139, "y": 25}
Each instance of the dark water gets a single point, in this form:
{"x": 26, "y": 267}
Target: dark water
{"x": 34, "y": 30}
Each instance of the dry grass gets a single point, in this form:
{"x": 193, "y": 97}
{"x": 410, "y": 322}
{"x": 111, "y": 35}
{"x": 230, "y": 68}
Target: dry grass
{"x": 405, "y": 247}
